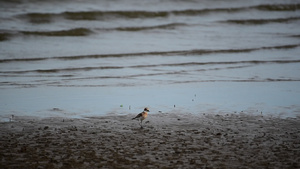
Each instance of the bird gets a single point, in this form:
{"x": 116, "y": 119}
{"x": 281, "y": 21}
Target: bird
{"x": 142, "y": 116}
{"x": 11, "y": 118}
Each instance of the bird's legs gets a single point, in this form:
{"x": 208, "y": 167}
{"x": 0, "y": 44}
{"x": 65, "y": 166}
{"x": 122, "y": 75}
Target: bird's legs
{"x": 141, "y": 124}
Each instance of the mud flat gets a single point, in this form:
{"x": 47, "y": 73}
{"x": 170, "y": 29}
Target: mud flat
{"x": 236, "y": 140}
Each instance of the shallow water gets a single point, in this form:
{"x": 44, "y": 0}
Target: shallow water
{"x": 92, "y": 57}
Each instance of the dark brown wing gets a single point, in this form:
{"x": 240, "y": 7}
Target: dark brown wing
{"x": 137, "y": 116}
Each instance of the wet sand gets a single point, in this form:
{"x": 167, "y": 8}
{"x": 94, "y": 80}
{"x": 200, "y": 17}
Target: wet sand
{"x": 236, "y": 140}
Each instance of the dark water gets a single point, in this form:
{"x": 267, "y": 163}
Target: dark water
{"x": 100, "y": 45}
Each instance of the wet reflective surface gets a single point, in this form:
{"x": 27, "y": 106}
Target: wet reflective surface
{"x": 91, "y": 57}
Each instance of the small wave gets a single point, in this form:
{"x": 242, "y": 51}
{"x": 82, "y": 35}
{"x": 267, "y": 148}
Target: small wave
{"x": 61, "y": 70}
{"x": 295, "y": 36}
{"x": 238, "y": 80}
{"x": 94, "y": 15}
{"x": 161, "y": 81}
{"x": 261, "y": 21}
{"x": 278, "y": 7}
{"x": 249, "y": 62}
{"x": 176, "y": 53}
{"x": 40, "y": 18}
{"x": 264, "y": 7}
{"x": 5, "y": 36}
{"x": 149, "y": 74}
{"x": 164, "y": 26}
{"x": 70, "y": 32}
{"x": 84, "y": 31}
{"x": 162, "y": 53}
{"x": 222, "y": 63}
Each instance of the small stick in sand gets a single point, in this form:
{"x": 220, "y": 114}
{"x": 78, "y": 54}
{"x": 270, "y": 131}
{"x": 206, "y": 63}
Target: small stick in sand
{"x": 142, "y": 116}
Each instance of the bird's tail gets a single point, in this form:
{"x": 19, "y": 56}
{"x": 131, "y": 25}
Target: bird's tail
{"x": 133, "y": 118}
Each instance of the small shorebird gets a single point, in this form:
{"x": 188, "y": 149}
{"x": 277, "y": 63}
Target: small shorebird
{"x": 142, "y": 116}
{"x": 11, "y": 118}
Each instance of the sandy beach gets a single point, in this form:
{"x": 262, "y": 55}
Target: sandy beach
{"x": 221, "y": 79}
{"x": 168, "y": 140}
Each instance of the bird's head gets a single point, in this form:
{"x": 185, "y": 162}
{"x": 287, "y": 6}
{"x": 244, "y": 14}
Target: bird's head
{"x": 146, "y": 109}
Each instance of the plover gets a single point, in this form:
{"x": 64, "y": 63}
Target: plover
{"x": 142, "y": 116}
{"x": 11, "y": 118}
